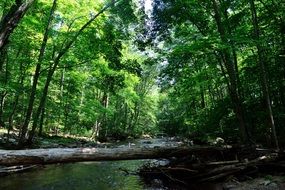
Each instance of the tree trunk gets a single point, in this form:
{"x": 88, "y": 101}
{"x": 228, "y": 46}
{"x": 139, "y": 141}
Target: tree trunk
{"x": 12, "y": 19}
{"x": 17, "y": 94}
{"x": 36, "y": 78}
{"x": 53, "y": 67}
{"x": 232, "y": 74}
{"x": 137, "y": 111}
{"x": 64, "y": 155}
{"x": 105, "y": 103}
{"x": 264, "y": 80}
{"x": 42, "y": 100}
{"x": 61, "y": 95}
{"x": 24, "y": 128}
{"x": 42, "y": 121}
{"x": 203, "y": 104}
{"x": 95, "y": 130}
{"x": 4, "y": 74}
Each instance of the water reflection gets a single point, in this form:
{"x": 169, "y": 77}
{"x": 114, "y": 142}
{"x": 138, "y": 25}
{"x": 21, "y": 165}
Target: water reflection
{"x": 92, "y": 175}
{"x": 96, "y": 175}
{"x": 85, "y": 176}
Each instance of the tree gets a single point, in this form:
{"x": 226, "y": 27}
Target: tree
{"x": 263, "y": 75}
{"x": 207, "y": 69}
{"x": 10, "y": 20}
{"x": 56, "y": 61}
{"x": 218, "y": 39}
{"x": 36, "y": 76}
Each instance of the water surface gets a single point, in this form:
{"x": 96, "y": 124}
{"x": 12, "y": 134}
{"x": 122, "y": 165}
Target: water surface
{"x": 86, "y": 175}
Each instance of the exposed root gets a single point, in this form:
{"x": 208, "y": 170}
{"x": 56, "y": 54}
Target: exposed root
{"x": 217, "y": 166}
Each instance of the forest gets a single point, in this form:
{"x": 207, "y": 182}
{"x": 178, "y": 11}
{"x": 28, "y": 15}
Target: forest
{"x": 111, "y": 70}
{"x": 198, "y": 69}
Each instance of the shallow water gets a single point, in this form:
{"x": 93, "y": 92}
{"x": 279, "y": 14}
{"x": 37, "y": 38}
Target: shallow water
{"x": 93, "y": 175}
{"x": 83, "y": 176}
{"x": 86, "y": 175}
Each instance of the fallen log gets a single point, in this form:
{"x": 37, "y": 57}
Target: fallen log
{"x": 222, "y": 163}
{"x": 194, "y": 171}
{"x": 64, "y": 155}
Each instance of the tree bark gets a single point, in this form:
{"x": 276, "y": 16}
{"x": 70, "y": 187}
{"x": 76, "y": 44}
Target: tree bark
{"x": 53, "y": 67}
{"x": 263, "y": 75}
{"x": 105, "y": 104}
{"x": 12, "y": 19}
{"x": 229, "y": 64}
{"x": 42, "y": 121}
{"x": 17, "y": 97}
{"x": 65, "y": 155}
{"x": 24, "y": 128}
{"x": 4, "y": 74}
{"x": 42, "y": 100}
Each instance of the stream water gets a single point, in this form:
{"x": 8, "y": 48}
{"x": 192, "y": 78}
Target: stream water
{"x": 86, "y": 175}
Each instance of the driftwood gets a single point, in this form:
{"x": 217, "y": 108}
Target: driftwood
{"x": 187, "y": 164}
{"x": 213, "y": 168}
{"x": 64, "y": 155}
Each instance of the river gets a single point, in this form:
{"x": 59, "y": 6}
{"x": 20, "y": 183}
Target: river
{"x": 107, "y": 175}
{"x": 87, "y": 175}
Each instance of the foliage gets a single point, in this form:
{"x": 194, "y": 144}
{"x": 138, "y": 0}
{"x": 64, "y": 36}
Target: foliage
{"x": 112, "y": 69}
{"x": 198, "y": 86}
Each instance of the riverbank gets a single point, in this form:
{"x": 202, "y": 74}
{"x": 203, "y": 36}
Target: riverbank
{"x": 267, "y": 182}
{"x": 49, "y": 141}
{"x": 263, "y": 181}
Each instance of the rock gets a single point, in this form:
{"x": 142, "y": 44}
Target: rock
{"x": 12, "y": 140}
{"x": 146, "y": 136}
{"x": 131, "y": 144}
{"x": 72, "y": 146}
{"x": 229, "y": 187}
{"x": 266, "y": 182}
{"x": 147, "y": 142}
{"x": 218, "y": 141}
{"x": 273, "y": 185}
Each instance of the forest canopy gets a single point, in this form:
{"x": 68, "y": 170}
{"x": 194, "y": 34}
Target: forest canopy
{"x": 127, "y": 68}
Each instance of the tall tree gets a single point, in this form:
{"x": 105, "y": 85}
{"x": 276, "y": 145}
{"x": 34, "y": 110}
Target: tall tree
{"x": 56, "y": 60}
{"x": 37, "y": 74}
{"x": 11, "y": 19}
{"x": 263, "y": 73}
{"x": 229, "y": 62}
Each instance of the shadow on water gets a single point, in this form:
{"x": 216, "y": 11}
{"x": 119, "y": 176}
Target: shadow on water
{"x": 94, "y": 175}
{"x": 91, "y": 175}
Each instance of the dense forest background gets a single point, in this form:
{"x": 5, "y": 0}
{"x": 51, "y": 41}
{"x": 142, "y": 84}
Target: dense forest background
{"x": 98, "y": 68}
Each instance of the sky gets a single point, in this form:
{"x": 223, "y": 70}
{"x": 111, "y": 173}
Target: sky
{"x": 148, "y": 6}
